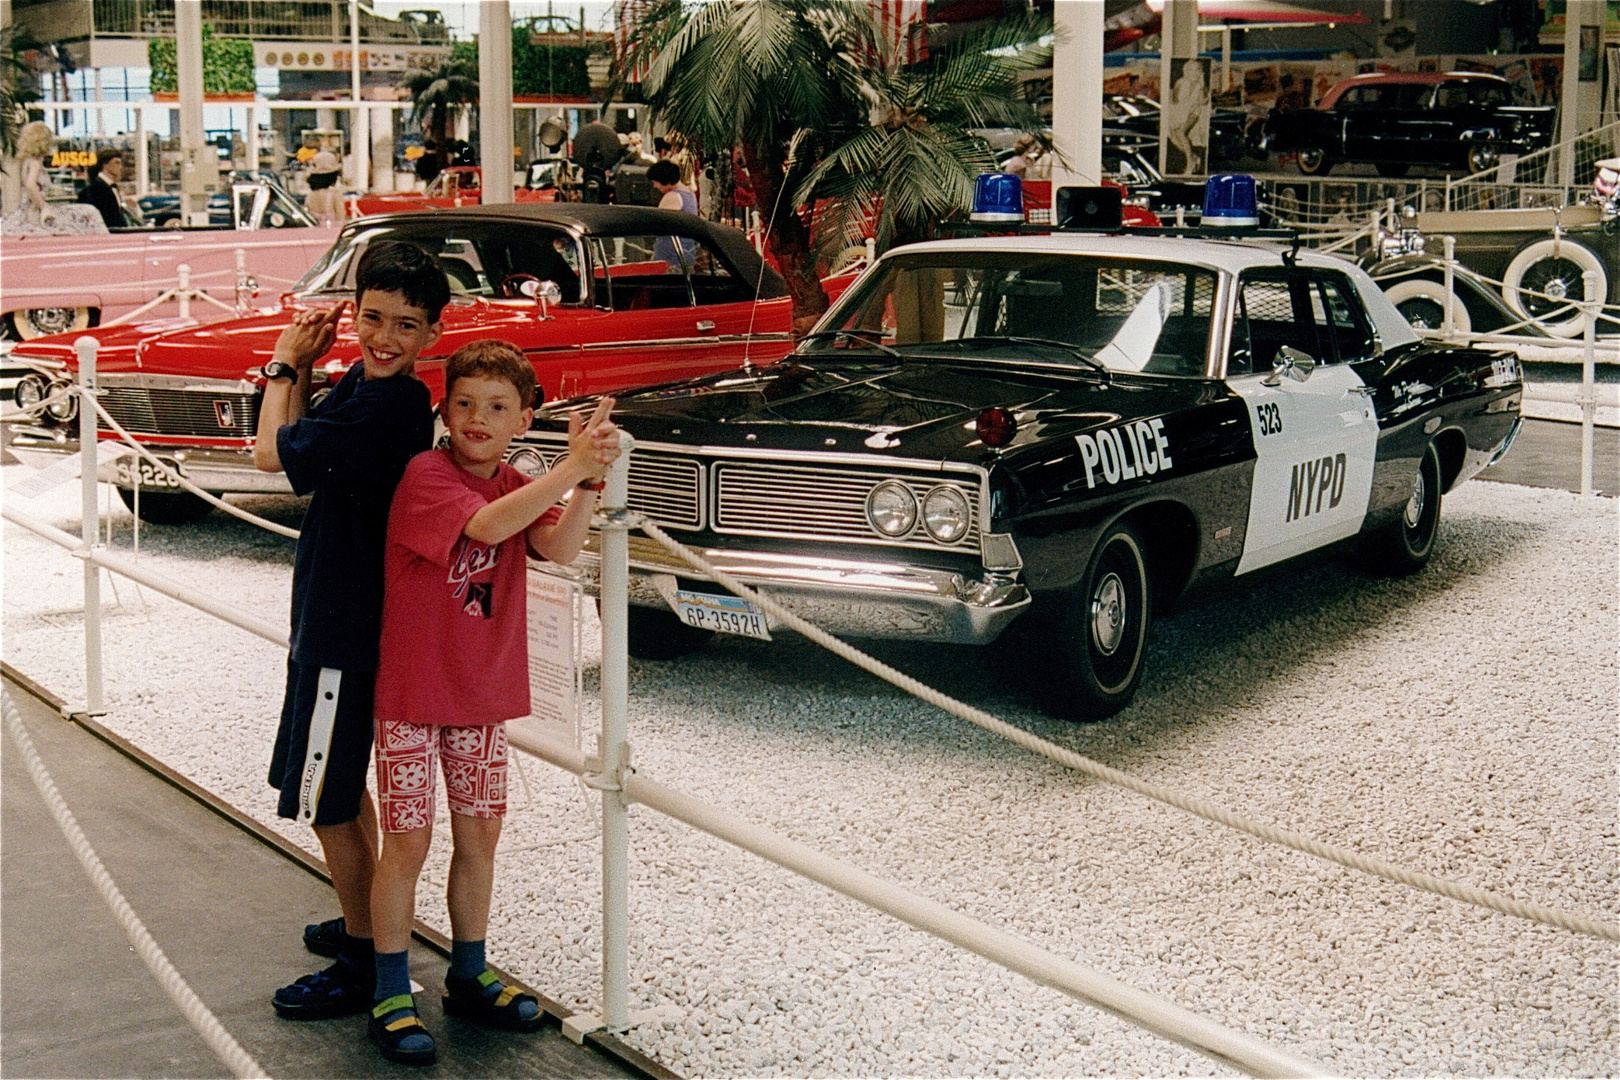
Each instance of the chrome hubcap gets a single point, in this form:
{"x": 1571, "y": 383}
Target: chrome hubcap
{"x": 52, "y": 320}
{"x": 1557, "y": 288}
{"x": 1108, "y": 614}
{"x": 1414, "y": 505}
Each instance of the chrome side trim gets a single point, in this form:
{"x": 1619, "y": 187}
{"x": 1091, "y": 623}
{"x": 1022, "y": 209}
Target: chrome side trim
{"x": 144, "y": 381}
{"x": 700, "y": 339}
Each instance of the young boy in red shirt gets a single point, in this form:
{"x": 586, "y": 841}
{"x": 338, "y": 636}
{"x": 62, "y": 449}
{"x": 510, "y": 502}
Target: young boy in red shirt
{"x": 454, "y": 667}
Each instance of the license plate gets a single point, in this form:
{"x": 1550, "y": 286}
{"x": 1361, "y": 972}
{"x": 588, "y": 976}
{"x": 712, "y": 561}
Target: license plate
{"x": 726, "y": 614}
{"x": 134, "y": 471}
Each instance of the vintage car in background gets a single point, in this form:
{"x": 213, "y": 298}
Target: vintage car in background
{"x": 240, "y": 206}
{"x": 456, "y": 186}
{"x": 1454, "y": 120}
{"x": 599, "y": 298}
{"x": 1059, "y": 432}
{"x": 63, "y": 284}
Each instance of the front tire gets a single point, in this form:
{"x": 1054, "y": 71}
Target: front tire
{"x": 1313, "y": 161}
{"x": 167, "y": 507}
{"x": 30, "y": 323}
{"x": 1102, "y": 625}
{"x": 660, "y": 635}
{"x": 1481, "y": 157}
{"x": 1404, "y": 546}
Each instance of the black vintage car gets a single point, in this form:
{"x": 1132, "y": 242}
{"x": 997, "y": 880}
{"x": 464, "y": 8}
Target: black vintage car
{"x": 1457, "y": 120}
{"x": 1068, "y": 429}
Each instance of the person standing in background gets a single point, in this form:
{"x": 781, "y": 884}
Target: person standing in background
{"x": 102, "y": 190}
{"x": 665, "y": 177}
{"x": 323, "y": 200}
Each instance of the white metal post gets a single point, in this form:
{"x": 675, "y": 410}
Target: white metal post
{"x": 199, "y": 168}
{"x": 1450, "y": 324}
{"x": 250, "y": 136}
{"x": 143, "y": 154}
{"x": 184, "y": 292}
{"x": 495, "y": 99}
{"x": 86, "y": 348}
{"x": 1590, "y": 304}
{"x": 614, "y": 751}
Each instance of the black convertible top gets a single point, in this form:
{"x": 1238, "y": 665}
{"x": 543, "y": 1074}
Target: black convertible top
{"x": 595, "y": 219}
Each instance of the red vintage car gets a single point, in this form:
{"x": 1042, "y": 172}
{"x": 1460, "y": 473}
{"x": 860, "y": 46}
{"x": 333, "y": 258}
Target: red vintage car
{"x": 599, "y": 297}
{"x": 455, "y": 187}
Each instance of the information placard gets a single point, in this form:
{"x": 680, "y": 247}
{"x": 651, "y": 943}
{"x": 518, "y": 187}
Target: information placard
{"x": 554, "y": 609}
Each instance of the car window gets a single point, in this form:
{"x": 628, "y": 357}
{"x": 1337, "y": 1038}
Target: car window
{"x": 1127, "y": 314}
{"x": 1487, "y": 93}
{"x": 1451, "y": 94}
{"x": 487, "y": 258}
{"x": 1314, "y": 313}
{"x": 1408, "y": 96}
{"x": 637, "y": 272}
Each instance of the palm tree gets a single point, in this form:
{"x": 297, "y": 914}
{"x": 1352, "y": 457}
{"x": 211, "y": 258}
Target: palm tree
{"x": 434, "y": 93}
{"x": 820, "y": 106}
{"x": 914, "y": 164}
{"x": 17, "y": 85}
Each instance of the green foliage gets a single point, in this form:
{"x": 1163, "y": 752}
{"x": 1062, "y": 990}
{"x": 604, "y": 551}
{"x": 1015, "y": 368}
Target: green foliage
{"x": 227, "y": 64}
{"x": 18, "y": 85}
{"x": 548, "y": 70}
{"x": 436, "y": 91}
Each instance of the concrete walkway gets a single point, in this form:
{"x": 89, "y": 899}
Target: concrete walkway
{"x": 75, "y": 1000}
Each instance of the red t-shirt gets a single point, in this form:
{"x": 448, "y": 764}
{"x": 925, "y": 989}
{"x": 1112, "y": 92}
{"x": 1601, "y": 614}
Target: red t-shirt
{"x": 455, "y": 647}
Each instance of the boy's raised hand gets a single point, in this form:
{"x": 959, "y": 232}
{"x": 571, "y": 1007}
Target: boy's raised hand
{"x": 593, "y": 443}
{"x": 308, "y": 337}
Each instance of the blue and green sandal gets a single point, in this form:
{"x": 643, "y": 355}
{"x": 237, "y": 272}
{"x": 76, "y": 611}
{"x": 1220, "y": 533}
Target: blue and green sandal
{"x": 486, "y": 1001}
{"x": 401, "y": 1036}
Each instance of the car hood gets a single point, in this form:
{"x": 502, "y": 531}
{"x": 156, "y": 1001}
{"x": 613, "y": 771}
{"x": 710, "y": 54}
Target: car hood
{"x": 913, "y": 409}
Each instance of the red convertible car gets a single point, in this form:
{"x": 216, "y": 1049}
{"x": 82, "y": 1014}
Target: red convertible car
{"x": 455, "y": 187}
{"x": 599, "y": 297}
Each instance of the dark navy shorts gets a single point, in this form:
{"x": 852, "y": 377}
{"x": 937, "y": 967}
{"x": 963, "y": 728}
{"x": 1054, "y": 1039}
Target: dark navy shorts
{"x": 323, "y": 746}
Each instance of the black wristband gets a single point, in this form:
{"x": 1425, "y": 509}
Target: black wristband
{"x": 591, "y": 485}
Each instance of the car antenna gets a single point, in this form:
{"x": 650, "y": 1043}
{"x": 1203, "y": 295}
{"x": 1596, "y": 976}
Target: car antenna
{"x": 759, "y": 284}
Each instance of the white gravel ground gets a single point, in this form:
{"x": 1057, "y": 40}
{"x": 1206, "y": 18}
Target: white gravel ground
{"x": 1462, "y": 722}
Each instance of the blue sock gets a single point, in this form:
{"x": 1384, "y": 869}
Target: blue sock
{"x": 393, "y": 974}
{"x": 466, "y": 959}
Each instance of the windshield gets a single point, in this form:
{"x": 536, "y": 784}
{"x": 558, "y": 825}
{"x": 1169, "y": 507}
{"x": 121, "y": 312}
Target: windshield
{"x": 480, "y": 258}
{"x": 1123, "y": 314}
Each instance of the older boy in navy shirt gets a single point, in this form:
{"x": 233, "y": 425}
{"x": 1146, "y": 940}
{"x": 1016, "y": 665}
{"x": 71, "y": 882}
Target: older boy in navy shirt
{"x": 349, "y": 450}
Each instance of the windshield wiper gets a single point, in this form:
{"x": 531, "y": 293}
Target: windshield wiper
{"x": 1049, "y": 343}
{"x": 860, "y": 334}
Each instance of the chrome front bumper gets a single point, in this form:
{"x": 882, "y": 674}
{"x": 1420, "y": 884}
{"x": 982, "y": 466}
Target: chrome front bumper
{"x": 853, "y": 598}
{"x": 211, "y": 470}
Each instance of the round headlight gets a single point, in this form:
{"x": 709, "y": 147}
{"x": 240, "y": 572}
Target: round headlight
{"x": 945, "y": 514}
{"x": 30, "y": 391}
{"x": 891, "y": 508}
{"x": 65, "y": 409}
{"x": 527, "y": 462}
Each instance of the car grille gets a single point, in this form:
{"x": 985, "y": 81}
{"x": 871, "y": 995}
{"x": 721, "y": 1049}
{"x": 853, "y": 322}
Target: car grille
{"x": 790, "y": 501}
{"x": 182, "y": 412}
{"x": 824, "y": 503}
{"x": 666, "y": 489}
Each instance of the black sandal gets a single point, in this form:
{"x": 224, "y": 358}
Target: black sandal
{"x": 401, "y": 1036}
{"x": 473, "y": 999}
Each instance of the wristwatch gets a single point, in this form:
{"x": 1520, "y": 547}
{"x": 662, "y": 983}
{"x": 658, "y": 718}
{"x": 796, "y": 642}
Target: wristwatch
{"x": 275, "y": 369}
{"x": 591, "y": 485}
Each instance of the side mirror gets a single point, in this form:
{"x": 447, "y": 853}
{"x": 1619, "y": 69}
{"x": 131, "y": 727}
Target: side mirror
{"x": 1291, "y": 362}
{"x": 544, "y": 293}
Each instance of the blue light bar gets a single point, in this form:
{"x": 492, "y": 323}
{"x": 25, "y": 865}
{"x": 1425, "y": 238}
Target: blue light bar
{"x": 1229, "y": 201}
{"x": 997, "y": 197}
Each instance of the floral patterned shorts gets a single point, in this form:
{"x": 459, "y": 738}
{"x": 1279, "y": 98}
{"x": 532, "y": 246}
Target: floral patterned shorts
{"x": 474, "y": 763}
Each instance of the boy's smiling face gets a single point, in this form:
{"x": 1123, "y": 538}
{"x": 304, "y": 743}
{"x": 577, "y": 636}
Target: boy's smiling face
{"x": 483, "y": 415}
{"x": 392, "y": 331}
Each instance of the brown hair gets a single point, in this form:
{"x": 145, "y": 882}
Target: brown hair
{"x": 491, "y": 359}
{"x": 106, "y": 154}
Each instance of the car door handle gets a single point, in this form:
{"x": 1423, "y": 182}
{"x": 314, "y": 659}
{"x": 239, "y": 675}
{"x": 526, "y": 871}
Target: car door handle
{"x": 705, "y": 326}
{"x": 1368, "y": 390}
{"x": 165, "y": 238}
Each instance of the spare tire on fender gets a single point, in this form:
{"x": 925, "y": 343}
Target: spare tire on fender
{"x": 1555, "y": 266}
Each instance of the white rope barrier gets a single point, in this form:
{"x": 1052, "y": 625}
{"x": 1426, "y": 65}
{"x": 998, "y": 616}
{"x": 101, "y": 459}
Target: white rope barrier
{"x": 1468, "y": 894}
{"x": 197, "y": 1014}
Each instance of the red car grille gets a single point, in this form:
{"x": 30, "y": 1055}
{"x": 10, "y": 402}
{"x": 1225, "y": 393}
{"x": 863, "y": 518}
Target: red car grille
{"x": 182, "y": 412}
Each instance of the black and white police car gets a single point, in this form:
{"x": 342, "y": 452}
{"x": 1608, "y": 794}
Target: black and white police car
{"x": 1072, "y": 428}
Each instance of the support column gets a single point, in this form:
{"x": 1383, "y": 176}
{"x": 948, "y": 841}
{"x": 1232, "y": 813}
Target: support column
{"x": 1077, "y": 80}
{"x": 360, "y": 117}
{"x": 251, "y": 137}
{"x": 143, "y": 155}
{"x": 101, "y": 113}
{"x": 495, "y": 99}
{"x": 1183, "y": 93}
{"x": 382, "y": 149}
{"x": 199, "y": 169}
